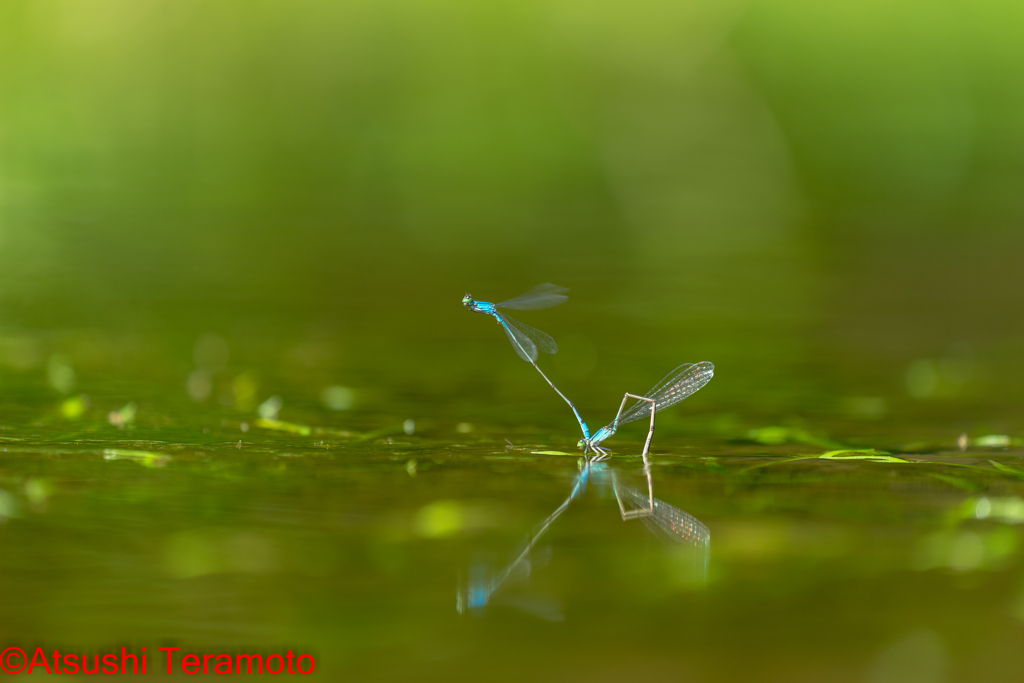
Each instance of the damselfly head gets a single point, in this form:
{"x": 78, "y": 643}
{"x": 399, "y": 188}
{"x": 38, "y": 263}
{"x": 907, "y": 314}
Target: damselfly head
{"x": 467, "y": 301}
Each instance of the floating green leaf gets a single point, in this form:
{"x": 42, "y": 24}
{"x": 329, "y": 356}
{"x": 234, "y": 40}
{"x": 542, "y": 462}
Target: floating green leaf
{"x": 869, "y": 454}
{"x": 144, "y": 458}
{"x": 282, "y": 426}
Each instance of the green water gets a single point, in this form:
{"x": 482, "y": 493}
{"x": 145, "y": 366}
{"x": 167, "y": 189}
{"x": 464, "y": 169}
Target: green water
{"x": 204, "y": 206}
{"x": 355, "y": 535}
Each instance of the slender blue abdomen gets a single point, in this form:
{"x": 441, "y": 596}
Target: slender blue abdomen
{"x": 601, "y": 434}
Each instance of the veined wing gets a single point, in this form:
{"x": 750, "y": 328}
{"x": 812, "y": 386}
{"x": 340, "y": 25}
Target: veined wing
{"x": 530, "y": 338}
{"x": 678, "y": 524}
{"x": 523, "y": 345}
{"x": 541, "y": 296}
{"x": 679, "y": 384}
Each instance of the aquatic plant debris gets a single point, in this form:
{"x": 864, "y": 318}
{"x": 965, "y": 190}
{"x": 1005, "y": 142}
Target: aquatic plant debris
{"x": 144, "y": 458}
{"x": 873, "y": 455}
{"x": 869, "y": 454}
{"x": 334, "y": 432}
{"x": 123, "y": 417}
{"x": 269, "y": 409}
{"x": 1007, "y": 469}
{"x": 386, "y": 431}
{"x": 282, "y": 426}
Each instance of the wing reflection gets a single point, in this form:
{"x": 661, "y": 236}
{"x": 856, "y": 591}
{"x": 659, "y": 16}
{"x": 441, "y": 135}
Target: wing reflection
{"x": 677, "y": 524}
{"x": 671, "y": 524}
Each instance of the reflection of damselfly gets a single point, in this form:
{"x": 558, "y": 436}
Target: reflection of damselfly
{"x": 674, "y": 524}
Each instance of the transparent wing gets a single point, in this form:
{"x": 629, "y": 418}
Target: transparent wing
{"x": 678, "y": 524}
{"x": 523, "y": 345}
{"x": 531, "y": 338}
{"x": 541, "y": 296}
{"x": 679, "y": 384}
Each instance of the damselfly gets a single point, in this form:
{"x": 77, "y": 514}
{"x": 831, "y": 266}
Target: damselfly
{"x": 678, "y": 385}
{"x": 527, "y": 340}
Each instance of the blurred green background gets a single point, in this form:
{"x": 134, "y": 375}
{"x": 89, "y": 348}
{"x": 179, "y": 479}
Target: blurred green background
{"x": 206, "y": 204}
{"x": 823, "y": 198}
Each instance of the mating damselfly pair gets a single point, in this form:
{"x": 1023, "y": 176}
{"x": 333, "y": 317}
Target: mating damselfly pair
{"x": 677, "y": 385}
